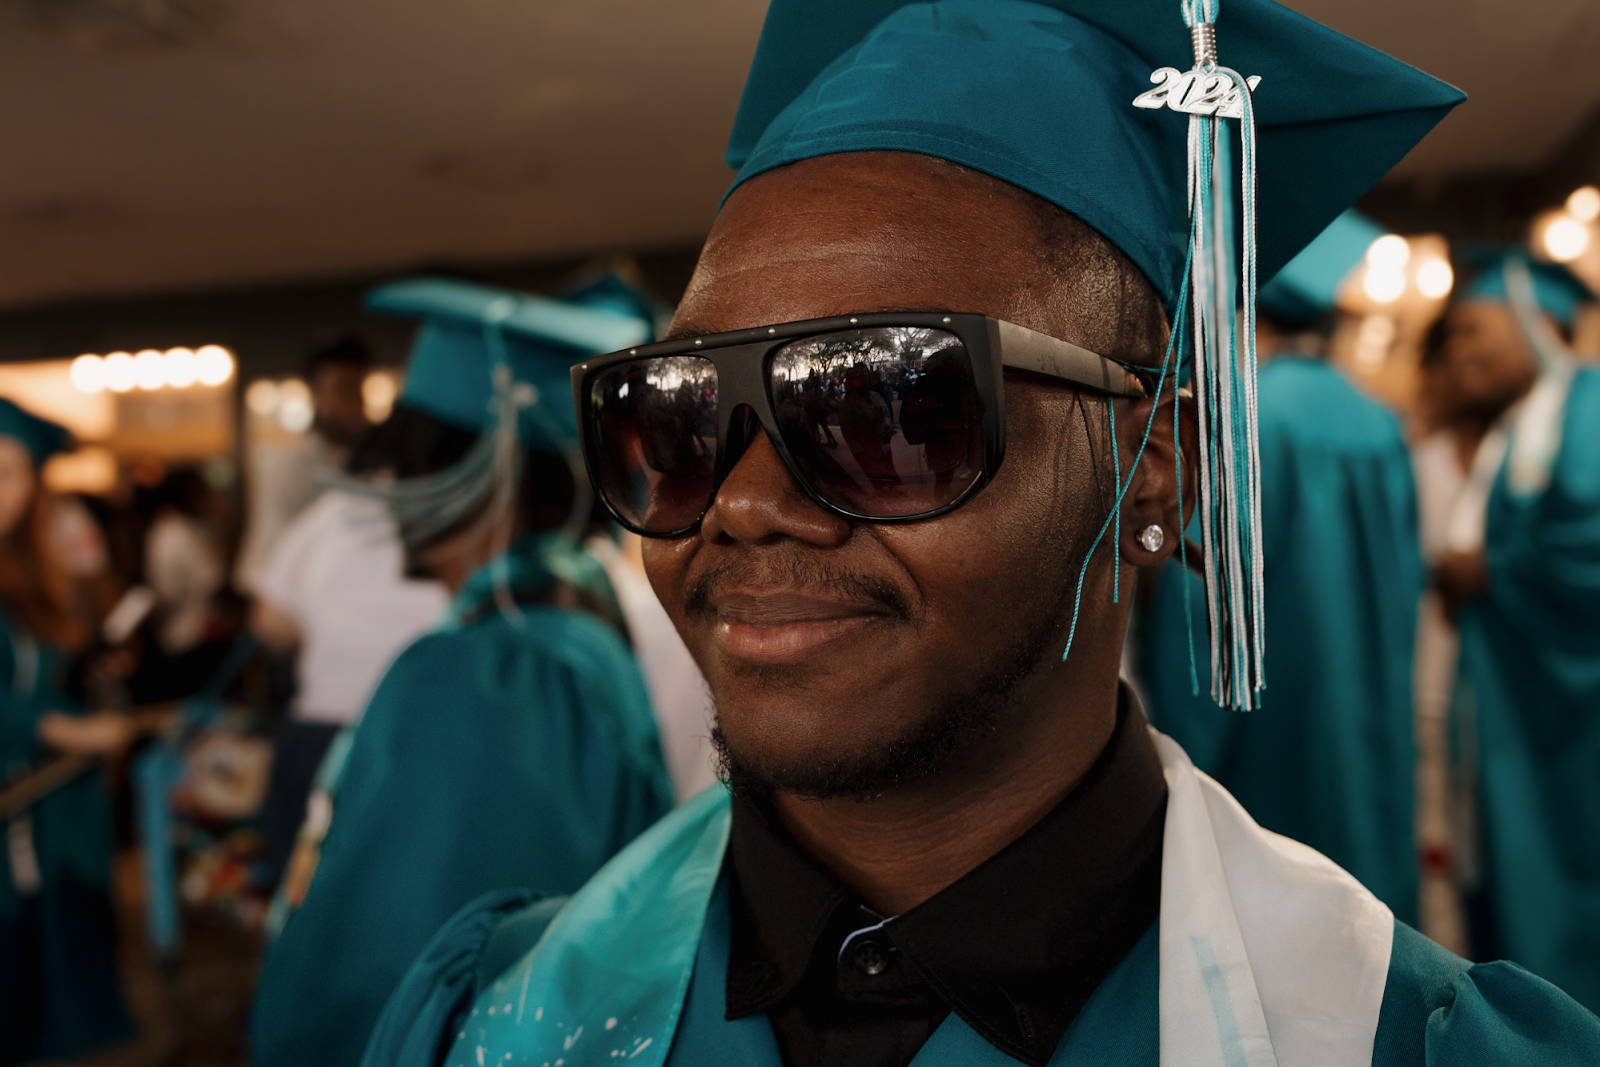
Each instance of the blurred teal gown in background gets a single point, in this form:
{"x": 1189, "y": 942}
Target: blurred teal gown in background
{"x": 58, "y": 987}
{"x": 497, "y": 753}
{"x": 1530, "y": 678}
{"x": 1328, "y": 759}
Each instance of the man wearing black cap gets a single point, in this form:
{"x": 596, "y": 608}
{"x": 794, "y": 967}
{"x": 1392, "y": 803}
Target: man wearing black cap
{"x": 950, "y": 837}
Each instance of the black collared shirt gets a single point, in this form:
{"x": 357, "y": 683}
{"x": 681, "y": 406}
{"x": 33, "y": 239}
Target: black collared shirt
{"x": 1015, "y": 947}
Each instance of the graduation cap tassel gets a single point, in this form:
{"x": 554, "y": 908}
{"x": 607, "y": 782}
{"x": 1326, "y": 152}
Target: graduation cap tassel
{"x": 425, "y": 507}
{"x": 512, "y": 399}
{"x": 1224, "y": 347}
{"x": 510, "y": 396}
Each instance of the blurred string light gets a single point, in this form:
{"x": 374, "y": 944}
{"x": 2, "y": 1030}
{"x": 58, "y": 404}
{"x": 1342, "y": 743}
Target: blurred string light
{"x": 1584, "y": 204}
{"x": 150, "y": 370}
{"x": 119, "y": 372}
{"x": 379, "y": 390}
{"x": 1567, "y": 234}
{"x": 181, "y": 368}
{"x": 287, "y": 402}
{"x": 213, "y": 365}
{"x": 295, "y": 412}
{"x": 1393, "y": 266}
{"x": 177, "y": 368}
{"x": 1386, "y": 268}
{"x": 262, "y": 397}
{"x": 1565, "y": 238}
{"x": 1435, "y": 279}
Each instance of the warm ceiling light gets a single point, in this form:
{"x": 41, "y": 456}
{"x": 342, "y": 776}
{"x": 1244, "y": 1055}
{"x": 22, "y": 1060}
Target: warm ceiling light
{"x": 1565, "y": 239}
{"x": 1584, "y": 204}
{"x": 213, "y": 365}
{"x": 149, "y": 369}
{"x": 1389, "y": 253}
{"x": 88, "y": 374}
{"x": 295, "y": 415}
{"x": 119, "y": 372}
{"x": 181, "y": 370}
{"x": 378, "y": 391}
{"x": 1435, "y": 278}
{"x": 262, "y": 397}
{"x": 1384, "y": 285}
{"x": 295, "y": 412}
{"x": 293, "y": 389}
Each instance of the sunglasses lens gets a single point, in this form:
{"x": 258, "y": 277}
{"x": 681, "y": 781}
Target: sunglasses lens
{"x": 884, "y": 422}
{"x": 654, "y": 434}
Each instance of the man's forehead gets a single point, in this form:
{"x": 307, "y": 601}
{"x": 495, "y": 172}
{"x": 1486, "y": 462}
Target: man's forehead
{"x": 860, "y": 233}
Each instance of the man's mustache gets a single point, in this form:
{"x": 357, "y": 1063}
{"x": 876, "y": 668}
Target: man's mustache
{"x": 791, "y": 571}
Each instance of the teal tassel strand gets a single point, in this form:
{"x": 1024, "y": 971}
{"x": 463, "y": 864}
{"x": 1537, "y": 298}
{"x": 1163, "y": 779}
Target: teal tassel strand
{"x": 1224, "y": 351}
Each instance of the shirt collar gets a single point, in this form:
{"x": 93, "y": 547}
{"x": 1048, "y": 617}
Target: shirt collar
{"x": 1015, "y": 946}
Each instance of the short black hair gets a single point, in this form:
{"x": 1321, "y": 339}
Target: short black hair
{"x": 1130, "y": 322}
{"x": 409, "y": 444}
{"x": 349, "y": 349}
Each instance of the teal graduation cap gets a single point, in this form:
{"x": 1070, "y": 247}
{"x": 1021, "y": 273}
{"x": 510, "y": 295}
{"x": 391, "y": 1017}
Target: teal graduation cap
{"x": 1129, "y": 115}
{"x": 1557, "y": 292}
{"x": 41, "y": 437}
{"x": 1038, "y": 94}
{"x": 469, "y": 329}
{"x": 1308, "y": 285}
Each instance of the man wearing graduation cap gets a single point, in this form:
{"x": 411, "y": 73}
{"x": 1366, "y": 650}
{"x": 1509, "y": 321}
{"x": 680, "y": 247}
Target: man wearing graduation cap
{"x": 1329, "y": 758}
{"x": 951, "y": 838}
{"x": 1522, "y": 571}
{"x": 516, "y": 747}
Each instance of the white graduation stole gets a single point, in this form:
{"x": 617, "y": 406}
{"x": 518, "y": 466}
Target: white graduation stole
{"x": 1271, "y": 956}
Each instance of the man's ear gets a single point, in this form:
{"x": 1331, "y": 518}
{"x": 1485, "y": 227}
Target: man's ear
{"x": 1151, "y": 504}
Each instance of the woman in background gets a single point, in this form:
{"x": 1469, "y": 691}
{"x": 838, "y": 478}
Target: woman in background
{"x": 58, "y": 990}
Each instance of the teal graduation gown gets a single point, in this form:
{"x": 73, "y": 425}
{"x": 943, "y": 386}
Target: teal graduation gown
{"x": 1328, "y": 759}
{"x": 1530, "y": 678}
{"x": 58, "y": 987}
{"x": 501, "y": 753}
{"x": 650, "y": 932}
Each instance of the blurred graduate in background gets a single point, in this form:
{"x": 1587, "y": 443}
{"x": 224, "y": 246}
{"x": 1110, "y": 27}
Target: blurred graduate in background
{"x": 284, "y": 484}
{"x": 1518, "y": 568}
{"x": 1328, "y": 759}
{"x": 333, "y": 593}
{"x": 515, "y": 747}
{"x": 58, "y": 993}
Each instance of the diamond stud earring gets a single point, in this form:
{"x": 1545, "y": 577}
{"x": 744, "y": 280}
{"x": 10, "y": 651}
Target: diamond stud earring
{"x": 1152, "y": 538}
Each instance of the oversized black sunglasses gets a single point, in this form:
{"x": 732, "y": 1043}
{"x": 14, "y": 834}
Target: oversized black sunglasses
{"x": 888, "y": 417}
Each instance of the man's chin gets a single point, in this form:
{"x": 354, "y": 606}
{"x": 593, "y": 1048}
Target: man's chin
{"x": 844, "y": 769}
{"x": 814, "y": 776}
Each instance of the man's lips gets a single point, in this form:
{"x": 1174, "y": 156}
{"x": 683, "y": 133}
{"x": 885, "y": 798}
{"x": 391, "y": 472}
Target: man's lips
{"x": 787, "y": 627}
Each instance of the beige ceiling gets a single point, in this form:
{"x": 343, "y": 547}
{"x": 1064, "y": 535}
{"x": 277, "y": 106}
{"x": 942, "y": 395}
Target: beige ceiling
{"x": 161, "y": 145}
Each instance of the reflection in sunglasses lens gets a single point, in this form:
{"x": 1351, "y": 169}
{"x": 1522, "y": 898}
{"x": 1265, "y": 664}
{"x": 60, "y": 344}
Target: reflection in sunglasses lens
{"x": 654, "y": 423}
{"x": 883, "y": 422}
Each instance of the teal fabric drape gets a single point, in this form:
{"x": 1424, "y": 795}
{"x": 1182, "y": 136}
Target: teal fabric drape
{"x": 501, "y": 753}
{"x": 1530, "y": 680}
{"x": 661, "y": 909}
{"x": 58, "y": 987}
{"x": 1329, "y": 757}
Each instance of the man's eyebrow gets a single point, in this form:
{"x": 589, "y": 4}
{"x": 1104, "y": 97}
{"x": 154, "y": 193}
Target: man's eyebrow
{"x": 679, "y": 332}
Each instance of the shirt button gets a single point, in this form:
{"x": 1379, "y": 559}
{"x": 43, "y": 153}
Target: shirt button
{"x": 871, "y": 958}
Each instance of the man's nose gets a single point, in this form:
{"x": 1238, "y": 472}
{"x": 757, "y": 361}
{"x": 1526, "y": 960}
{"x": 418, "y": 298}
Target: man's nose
{"x": 760, "y": 502}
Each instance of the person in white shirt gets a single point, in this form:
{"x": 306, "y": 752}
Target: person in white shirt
{"x": 283, "y": 483}
{"x": 335, "y": 592}
{"x": 678, "y": 693}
